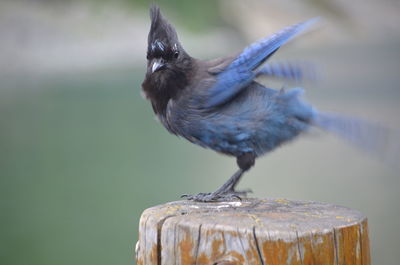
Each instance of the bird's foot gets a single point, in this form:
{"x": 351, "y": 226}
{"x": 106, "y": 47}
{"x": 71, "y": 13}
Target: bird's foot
{"x": 229, "y": 195}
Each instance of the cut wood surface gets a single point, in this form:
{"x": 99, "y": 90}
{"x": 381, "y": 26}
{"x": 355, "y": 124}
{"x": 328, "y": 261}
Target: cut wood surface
{"x": 252, "y": 231}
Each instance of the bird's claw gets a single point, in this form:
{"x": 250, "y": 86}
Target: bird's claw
{"x": 201, "y": 197}
{"x": 217, "y": 197}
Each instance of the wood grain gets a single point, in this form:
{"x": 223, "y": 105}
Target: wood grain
{"x": 253, "y": 232}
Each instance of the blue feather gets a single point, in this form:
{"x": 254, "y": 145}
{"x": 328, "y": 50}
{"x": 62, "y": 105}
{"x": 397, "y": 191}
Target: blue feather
{"x": 290, "y": 71}
{"x": 239, "y": 73}
{"x": 253, "y": 55}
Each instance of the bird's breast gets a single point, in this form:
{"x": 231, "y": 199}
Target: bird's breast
{"x": 207, "y": 129}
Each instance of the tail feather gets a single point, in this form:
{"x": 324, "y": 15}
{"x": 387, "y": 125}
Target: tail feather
{"x": 370, "y": 137}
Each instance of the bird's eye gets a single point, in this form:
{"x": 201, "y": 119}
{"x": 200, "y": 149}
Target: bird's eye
{"x": 176, "y": 54}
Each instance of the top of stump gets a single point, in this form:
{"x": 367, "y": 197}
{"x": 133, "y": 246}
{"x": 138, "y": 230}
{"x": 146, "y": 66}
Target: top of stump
{"x": 272, "y": 214}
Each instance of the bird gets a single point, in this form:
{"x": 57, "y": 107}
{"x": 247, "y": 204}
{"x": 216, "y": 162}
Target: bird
{"x": 218, "y": 104}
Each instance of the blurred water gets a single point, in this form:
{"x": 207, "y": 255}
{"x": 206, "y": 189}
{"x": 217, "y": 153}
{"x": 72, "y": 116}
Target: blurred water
{"x": 82, "y": 156}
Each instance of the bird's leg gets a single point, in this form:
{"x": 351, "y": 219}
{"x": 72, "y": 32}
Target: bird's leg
{"x": 227, "y": 191}
{"x": 224, "y": 193}
{"x": 229, "y": 186}
{"x": 245, "y": 162}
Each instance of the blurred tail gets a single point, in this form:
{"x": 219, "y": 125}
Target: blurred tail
{"x": 370, "y": 137}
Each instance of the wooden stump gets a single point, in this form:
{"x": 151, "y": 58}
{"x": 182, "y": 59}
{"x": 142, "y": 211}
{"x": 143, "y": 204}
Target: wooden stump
{"x": 252, "y": 231}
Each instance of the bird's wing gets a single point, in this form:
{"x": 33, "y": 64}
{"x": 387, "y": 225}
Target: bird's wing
{"x": 289, "y": 71}
{"x": 239, "y": 73}
{"x": 218, "y": 65}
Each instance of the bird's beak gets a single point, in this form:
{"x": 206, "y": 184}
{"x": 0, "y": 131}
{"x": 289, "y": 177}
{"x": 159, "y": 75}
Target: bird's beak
{"x": 158, "y": 64}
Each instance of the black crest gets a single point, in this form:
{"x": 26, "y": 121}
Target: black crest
{"x": 161, "y": 31}
{"x": 161, "y": 86}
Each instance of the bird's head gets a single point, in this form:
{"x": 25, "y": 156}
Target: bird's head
{"x": 168, "y": 65}
{"x": 164, "y": 50}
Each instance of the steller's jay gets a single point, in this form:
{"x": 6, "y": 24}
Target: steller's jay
{"x": 218, "y": 105}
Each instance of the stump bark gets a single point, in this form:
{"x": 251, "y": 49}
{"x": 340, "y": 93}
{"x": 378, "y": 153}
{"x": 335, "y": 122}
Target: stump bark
{"x": 253, "y": 232}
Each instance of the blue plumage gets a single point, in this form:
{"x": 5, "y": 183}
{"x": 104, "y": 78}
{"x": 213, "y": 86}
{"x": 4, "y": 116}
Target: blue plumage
{"x": 289, "y": 71}
{"x": 239, "y": 73}
{"x": 257, "y": 120}
{"x": 256, "y": 53}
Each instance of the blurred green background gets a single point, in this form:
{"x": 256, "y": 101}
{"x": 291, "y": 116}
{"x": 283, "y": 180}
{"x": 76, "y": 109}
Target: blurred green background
{"x": 81, "y": 155}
